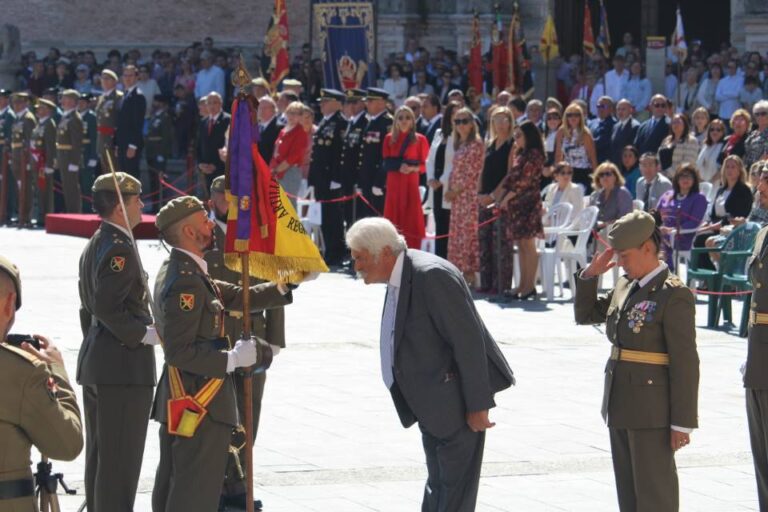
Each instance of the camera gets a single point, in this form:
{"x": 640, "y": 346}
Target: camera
{"x": 17, "y": 339}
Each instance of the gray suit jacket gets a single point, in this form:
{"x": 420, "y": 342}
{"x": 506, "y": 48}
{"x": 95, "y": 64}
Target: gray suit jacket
{"x": 660, "y": 185}
{"x": 446, "y": 363}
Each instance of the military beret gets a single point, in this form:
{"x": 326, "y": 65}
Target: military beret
{"x": 48, "y": 103}
{"x": 176, "y": 210}
{"x": 5, "y": 93}
{"x": 631, "y": 230}
{"x": 71, "y": 93}
{"x": 13, "y": 272}
{"x": 331, "y": 94}
{"x": 218, "y": 185}
{"x": 354, "y": 94}
{"x": 291, "y": 82}
{"x": 111, "y": 74}
{"x": 374, "y": 93}
{"x": 127, "y": 183}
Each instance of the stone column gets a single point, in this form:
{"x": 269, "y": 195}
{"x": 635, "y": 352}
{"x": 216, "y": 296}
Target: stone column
{"x": 10, "y": 56}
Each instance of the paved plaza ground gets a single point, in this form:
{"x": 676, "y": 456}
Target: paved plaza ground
{"x": 330, "y": 438}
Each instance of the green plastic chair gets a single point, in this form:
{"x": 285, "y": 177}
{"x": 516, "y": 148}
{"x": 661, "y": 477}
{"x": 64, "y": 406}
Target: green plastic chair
{"x": 733, "y": 255}
{"x": 737, "y": 283}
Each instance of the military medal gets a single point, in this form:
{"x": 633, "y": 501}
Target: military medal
{"x": 639, "y": 314}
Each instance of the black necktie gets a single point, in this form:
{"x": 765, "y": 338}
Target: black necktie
{"x": 647, "y": 196}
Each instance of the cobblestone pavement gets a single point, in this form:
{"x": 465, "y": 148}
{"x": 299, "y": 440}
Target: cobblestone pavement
{"x": 330, "y": 438}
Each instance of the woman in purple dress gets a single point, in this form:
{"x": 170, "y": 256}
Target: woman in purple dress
{"x": 682, "y": 210}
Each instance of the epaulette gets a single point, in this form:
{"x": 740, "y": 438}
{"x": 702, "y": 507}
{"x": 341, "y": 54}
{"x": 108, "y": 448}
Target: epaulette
{"x": 21, "y": 353}
{"x": 674, "y": 281}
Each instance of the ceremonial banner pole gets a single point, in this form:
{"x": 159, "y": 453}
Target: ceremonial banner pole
{"x": 247, "y": 385}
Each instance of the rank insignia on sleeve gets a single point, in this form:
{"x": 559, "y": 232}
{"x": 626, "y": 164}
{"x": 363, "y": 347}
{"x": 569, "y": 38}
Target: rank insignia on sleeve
{"x": 187, "y": 301}
{"x": 117, "y": 263}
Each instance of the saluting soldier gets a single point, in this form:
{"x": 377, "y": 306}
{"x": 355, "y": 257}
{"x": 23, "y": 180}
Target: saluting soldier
{"x": 652, "y": 376}
{"x": 90, "y": 162}
{"x": 269, "y": 325}
{"x": 43, "y": 152}
{"x": 21, "y": 138}
{"x": 159, "y": 142}
{"x": 195, "y": 435}
{"x": 106, "y": 116}
{"x": 372, "y": 180}
{"x": 37, "y": 406}
{"x": 756, "y": 370}
{"x": 325, "y": 173}
{"x": 116, "y": 363}
{"x": 352, "y": 149}
{"x": 69, "y": 150}
{"x": 7, "y": 191}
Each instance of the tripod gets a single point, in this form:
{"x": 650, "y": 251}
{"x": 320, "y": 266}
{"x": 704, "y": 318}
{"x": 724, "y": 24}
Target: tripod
{"x": 46, "y": 485}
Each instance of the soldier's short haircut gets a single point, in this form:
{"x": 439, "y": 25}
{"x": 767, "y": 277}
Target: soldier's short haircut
{"x": 6, "y": 285}
{"x": 105, "y": 202}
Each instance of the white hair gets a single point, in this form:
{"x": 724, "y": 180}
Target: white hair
{"x": 268, "y": 100}
{"x": 374, "y": 234}
{"x": 214, "y": 96}
{"x": 760, "y": 106}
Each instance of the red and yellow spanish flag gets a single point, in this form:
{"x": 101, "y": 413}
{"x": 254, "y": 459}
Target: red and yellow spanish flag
{"x": 476, "y": 58}
{"x": 548, "y": 46}
{"x": 261, "y": 220}
{"x": 589, "y": 35}
{"x": 276, "y": 45}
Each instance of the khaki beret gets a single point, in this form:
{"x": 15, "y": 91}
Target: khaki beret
{"x": 631, "y": 231}
{"x": 218, "y": 185}
{"x": 12, "y": 271}
{"x": 176, "y": 210}
{"x": 109, "y": 73}
{"x": 71, "y": 93}
{"x": 127, "y": 183}
{"x": 48, "y": 103}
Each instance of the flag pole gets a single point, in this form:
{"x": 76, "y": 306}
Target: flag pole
{"x": 679, "y": 56}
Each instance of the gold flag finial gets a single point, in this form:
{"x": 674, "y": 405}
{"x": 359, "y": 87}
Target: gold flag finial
{"x": 240, "y": 76}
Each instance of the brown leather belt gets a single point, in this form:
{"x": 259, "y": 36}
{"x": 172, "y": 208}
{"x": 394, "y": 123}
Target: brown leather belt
{"x": 756, "y": 318}
{"x": 14, "y": 489}
{"x": 17, "y": 145}
{"x": 637, "y": 356}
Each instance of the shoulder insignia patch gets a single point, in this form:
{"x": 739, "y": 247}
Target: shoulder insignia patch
{"x": 117, "y": 263}
{"x": 53, "y": 389}
{"x": 187, "y": 301}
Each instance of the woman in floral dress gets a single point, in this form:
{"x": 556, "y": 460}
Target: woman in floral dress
{"x": 463, "y": 188}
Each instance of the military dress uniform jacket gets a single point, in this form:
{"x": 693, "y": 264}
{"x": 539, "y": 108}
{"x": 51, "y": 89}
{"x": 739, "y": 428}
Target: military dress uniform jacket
{"x": 159, "y": 139}
{"x": 114, "y": 313}
{"x": 44, "y": 142}
{"x": 373, "y": 157}
{"x": 69, "y": 141}
{"x": 21, "y": 135}
{"x": 106, "y": 120}
{"x": 268, "y": 324}
{"x": 326, "y": 151}
{"x": 37, "y": 407}
{"x": 6, "y": 122}
{"x": 756, "y": 374}
{"x": 188, "y": 308}
{"x": 659, "y": 317}
{"x": 90, "y": 157}
{"x": 352, "y": 154}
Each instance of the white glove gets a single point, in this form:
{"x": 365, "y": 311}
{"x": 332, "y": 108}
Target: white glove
{"x": 151, "y": 337}
{"x": 242, "y": 356}
{"x": 92, "y": 162}
{"x": 73, "y": 168}
{"x": 377, "y": 191}
{"x": 335, "y": 185}
{"x": 48, "y": 170}
{"x": 160, "y": 158}
{"x": 275, "y": 349}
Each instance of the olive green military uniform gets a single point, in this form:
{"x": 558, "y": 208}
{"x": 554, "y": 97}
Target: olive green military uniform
{"x": 158, "y": 144}
{"x": 69, "y": 148}
{"x": 21, "y": 138}
{"x": 189, "y": 309}
{"x": 269, "y": 325}
{"x": 43, "y": 154}
{"x": 7, "y": 189}
{"x": 37, "y": 407}
{"x": 115, "y": 367}
{"x": 642, "y": 401}
{"x": 756, "y": 372}
{"x": 89, "y": 164}
{"x": 106, "y": 121}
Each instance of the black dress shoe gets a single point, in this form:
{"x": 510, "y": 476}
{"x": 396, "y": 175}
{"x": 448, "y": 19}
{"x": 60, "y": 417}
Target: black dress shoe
{"x": 237, "y": 501}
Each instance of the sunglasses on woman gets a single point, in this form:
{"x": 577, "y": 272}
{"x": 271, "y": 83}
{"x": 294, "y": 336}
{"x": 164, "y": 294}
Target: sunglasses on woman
{"x": 403, "y": 118}
{"x": 572, "y": 114}
{"x": 553, "y": 118}
{"x": 461, "y": 121}
{"x": 604, "y": 174}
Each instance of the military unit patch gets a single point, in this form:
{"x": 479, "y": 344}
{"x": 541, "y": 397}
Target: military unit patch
{"x": 187, "y": 301}
{"x": 117, "y": 263}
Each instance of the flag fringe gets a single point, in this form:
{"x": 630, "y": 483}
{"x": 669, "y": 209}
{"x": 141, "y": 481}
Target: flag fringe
{"x": 278, "y": 269}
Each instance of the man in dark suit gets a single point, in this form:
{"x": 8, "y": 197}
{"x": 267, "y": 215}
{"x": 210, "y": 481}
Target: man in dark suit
{"x": 269, "y": 127}
{"x": 430, "y": 113}
{"x": 212, "y": 137}
{"x": 438, "y": 360}
{"x": 129, "y": 135}
{"x": 652, "y": 132}
{"x": 370, "y": 181}
{"x": 624, "y": 131}
{"x": 325, "y": 174}
{"x": 602, "y": 128}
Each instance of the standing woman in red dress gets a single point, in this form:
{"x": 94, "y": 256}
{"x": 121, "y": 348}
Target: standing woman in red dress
{"x": 405, "y": 155}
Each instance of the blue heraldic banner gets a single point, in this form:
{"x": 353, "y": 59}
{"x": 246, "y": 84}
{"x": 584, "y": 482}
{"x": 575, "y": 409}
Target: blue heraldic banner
{"x": 346, "y": 32}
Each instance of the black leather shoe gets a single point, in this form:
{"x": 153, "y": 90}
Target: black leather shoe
{"x": 237, "y": 501}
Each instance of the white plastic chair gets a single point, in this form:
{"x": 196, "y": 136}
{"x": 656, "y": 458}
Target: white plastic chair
{"x": 570, "y": 254}
{"x": 428, "y": 243}
{"x": 311, "y": 215}
{"x": 706, "y": 189}
{"x": 557, "y": 219}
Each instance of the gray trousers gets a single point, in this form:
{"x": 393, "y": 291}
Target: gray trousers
{"x": 644, "y": 466}
{"x": 453, "y": 467}
{"x": 757, "y": 420}
{"x": 291, "y": 183}
{"x": 191, "y": 470}
{"x": 116, "y": 420}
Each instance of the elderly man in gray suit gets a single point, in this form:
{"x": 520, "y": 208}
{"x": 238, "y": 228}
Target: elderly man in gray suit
{"x": 438, "y": 360}
{"x": 652, "y": 185}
